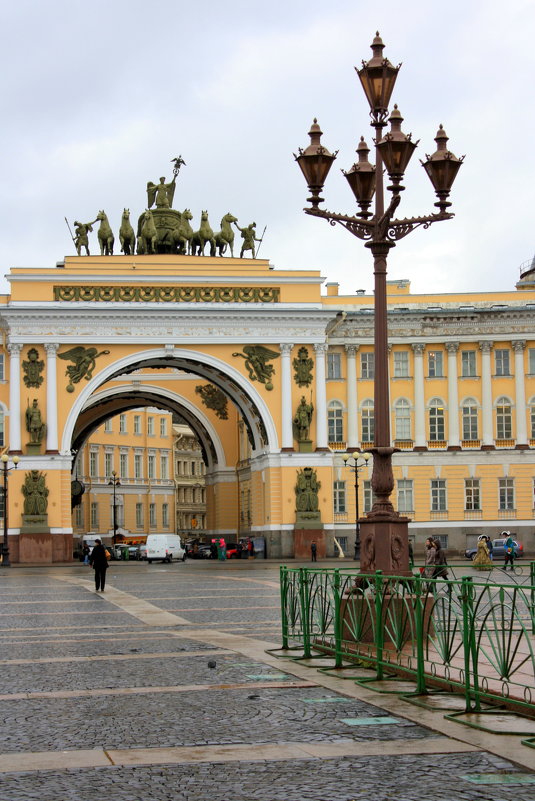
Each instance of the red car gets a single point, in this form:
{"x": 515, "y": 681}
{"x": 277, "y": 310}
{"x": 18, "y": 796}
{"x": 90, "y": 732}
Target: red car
{"x": 233, "y": 552}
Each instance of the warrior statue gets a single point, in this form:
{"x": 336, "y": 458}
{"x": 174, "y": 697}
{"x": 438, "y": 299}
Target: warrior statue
{"x": 34, "y": 424}
{"x": 161, "y": 195}
{"x": 302, "y": 420}
{"x": 35, "y": 493}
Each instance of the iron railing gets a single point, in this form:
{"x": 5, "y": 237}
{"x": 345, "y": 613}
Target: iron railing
{"x": 466, "y": 635}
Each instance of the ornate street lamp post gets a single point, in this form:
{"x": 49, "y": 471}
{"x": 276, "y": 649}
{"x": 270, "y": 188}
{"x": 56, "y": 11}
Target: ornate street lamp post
{"x": 5, "y": 544}
{"x": 114, "y": 482}
{"x": 353, "y": 463}
{"x": 384, "y": 531}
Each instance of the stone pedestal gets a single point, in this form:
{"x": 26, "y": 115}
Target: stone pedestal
{"x": 40, "y": 547}
{"x": 384, "y": 545}
{"x": 305, "y": 446}
{"x": 303, "y": 539}
{"x": 35, "y": 524}
{"x": 397, "y": 613}
{"x": 33, "y": 448}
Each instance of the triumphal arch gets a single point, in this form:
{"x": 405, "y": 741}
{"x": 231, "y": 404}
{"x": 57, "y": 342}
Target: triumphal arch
{"x": 236, "y": 348}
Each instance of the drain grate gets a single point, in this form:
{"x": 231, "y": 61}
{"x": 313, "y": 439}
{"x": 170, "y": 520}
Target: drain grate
{"x": 499, "y": 778}
{"x": 332, "y": 699}
{"x": 379, "y": 721}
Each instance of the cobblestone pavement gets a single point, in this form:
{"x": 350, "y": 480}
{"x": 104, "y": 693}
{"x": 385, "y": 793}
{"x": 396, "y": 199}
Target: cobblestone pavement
{"x": 97, "y": 702}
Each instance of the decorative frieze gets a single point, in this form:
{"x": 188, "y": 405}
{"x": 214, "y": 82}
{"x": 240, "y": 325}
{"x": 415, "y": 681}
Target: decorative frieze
{"x": 167, "y": 294}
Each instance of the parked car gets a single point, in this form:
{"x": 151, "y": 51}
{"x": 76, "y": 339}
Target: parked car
{"x": 142, "y": 551}
{"x": 198, "y": 551}
{"x": 164, "y": 548}
{"x": 498, "y": 550}
{"x": 233, "y": 552}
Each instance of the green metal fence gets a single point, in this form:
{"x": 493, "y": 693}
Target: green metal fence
{"x": 466, "y": 635}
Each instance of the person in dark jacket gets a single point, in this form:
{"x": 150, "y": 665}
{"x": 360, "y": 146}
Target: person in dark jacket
{"x": 441, "y": 570}
{"x": 99, "y": 562}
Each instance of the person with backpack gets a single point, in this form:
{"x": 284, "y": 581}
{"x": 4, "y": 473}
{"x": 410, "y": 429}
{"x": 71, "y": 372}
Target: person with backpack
{"x": 441, "y": 570}
{"x": 509, "y": 550}
{"x": 99, "y": 562}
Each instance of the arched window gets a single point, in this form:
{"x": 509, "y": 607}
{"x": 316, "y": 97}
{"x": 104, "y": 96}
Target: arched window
{"x": 335, "y": 419}
{"x": 504, "y": 419}
{"x": 436, "y": 420}
{"x": 469, "y": 417}
{"x": 367, "y": 421}
{"x": 402, "y": 411}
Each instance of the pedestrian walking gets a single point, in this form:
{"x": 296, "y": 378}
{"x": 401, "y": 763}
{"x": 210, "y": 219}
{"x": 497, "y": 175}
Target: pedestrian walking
{"x": 99, "y": 563}
{"x": 482, "y": 557}
{"x": 314, "y": 551}
{"x": 86, "y": 550}
{"x": 250, "y": 549}
{"x": 509, "y": 550}
{"x": 490, "y": 547}
{"x": 441, "y": 570}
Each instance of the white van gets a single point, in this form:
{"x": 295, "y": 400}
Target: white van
{"x": 165, "y": 547}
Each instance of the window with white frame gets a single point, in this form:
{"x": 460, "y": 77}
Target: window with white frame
{"x": 139, "y": 515}
{"x": 339, "y": 496}
{"x": 335, "y": 421}
{"x": 78, "y": 516}
{"x": 438, "y": 495}
{"x": 435, "y": 364}
{"x": 504, "y": 419}
{"x": 2, "y": 435}
{"x": 334, "y": 365}
{"x": 501, "y": 356}
{"x": 531, "y": 419}
{"x": 405, "y": 495}
{"x": 122, "y": 424}
{"x": 94, "y": 515}
{"x": 108, "y": 427}
{"x": 137, "y": 424}
{"x": 164, "y": 466}
{"x": 367, "y": 365}
{"x": 468, "y": 363}
{"x": 108, "y": 464}
{"x": 151, "y": 465}
{"x": 150, "y": 426}
{"x": 531, "y": 361}
{"x": 138, "y": 465}
{"x": 436, "y": 421}
{"x": 367, "y": 421}
{"x": 152, "y": 515}
{"x": 123, "y": 465}
{"x": 93, "y": 464}
{"x": 165, "y": 515}
{"x": 163, "y": 426}
{"x": 401, "y": 364}
{"x": 367, "y": 494}
{"x": 469, "y": 419}
{"x": 2, "y": 362}
{"x": 402, "y": 412}
{"x": 472, "y": 494}
{"x": 506, "y": 490}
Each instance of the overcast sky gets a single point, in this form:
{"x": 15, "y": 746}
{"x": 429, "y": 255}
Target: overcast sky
{"x": 98, "y": 97}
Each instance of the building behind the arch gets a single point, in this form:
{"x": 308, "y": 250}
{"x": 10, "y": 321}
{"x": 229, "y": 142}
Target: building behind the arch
{"x": 182, "y": 334}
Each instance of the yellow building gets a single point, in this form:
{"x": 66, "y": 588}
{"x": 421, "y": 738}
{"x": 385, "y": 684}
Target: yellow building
{"x": 231, "y": 347}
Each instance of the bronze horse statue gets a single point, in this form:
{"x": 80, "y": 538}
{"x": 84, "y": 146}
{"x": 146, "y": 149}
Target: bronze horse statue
{"x": 225, "y": 236}
{"x": 105, "y": 235}
{"x": 127, "y": 236}
{"x": 147, "y": 241}
{"x": 202, "y": 236}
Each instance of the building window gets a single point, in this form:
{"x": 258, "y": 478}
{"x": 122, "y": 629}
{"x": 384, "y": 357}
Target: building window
{"x": 193, "y": 471}
{"x": 531, "y": 418}
{"x": 531, "y": 361}
{"x": 137, "y": 424}
{"x": 401, "y": 364}
{"x": 163, "y": 426}
{"x": 506, "y": 489}
{"x": 367, "y": 495}
{"x": 2, "y": 438}
{"x": 435, "y": 364}
{"x": 405, "y": 497}
{"x": 152, "y": 515}
{"x": 468, "y": 363}
{"x": 108, "y": 426}
{"x": 138, "y": 465}
{"x": 122, "y": 424}
{"x": 78, "y": 516}
{"x": 94, "y": 516}
{"x": 151, "y": 465}
{"x": 335, "y": 420}
{"x": 165, "y": 515}
{"x": 339, "y": 495}
{"x": 108, "y": 464}
{"x": 93, "y": 464}
{"x": 334, "y": 365}
{"x": 139, "y": 515}
{"x": 436, "y": 421}
{"x": 502, "y": 361}
{"x": 469, "y": 415}
{"x": 504, "y": 419}
{"x": 367, "y": 365}
{"x": 402, "y": 413}
{"x": 368, "y": 422}
{"x": 150, "y": 426}
{"x": 472, "y": 496}
{"x": 123, "y": 465}
{"x": 438, "y": 495}
{"x": 164, "y": 466}
{"x": 2, "y": 373}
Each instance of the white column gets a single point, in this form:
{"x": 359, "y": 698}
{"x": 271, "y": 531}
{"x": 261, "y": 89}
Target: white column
{"x": 14, "y": 398}
{"x": 322, "y": 441}
{"x": 520, "y": 393}
{"x": 454, "y": 442}
{"x": 51, "y": 399}
{"x": 420, "y": 440}
{"x": 486, "y": 396}
{"x": 286, "y": 397}
{"x": 352, "y": 399}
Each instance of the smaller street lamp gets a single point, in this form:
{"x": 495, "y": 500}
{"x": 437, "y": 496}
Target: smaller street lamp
{"x": 114, "y": 482}
{"x": 6, "y": 469}
{"x": 353, "y": 463}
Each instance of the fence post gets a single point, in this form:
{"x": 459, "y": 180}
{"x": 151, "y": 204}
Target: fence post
{"x": 283, "y": 577}
{"x": 379, "y": 623}
{"x": 337, "y": 620}
{"x": 532, "y": 595}
{"x": 421, "y": 688}
{"x": 305, "y": 616}
{"x": 469, "y": 646}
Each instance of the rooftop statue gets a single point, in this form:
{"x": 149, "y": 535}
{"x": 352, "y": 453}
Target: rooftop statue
{"x": 105, "y": 234}
{"x": 249, "y": 238}
{"x": 127, "y": 236}
{"x": 161, "y": 195}
{"x": 81, "y": 240}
